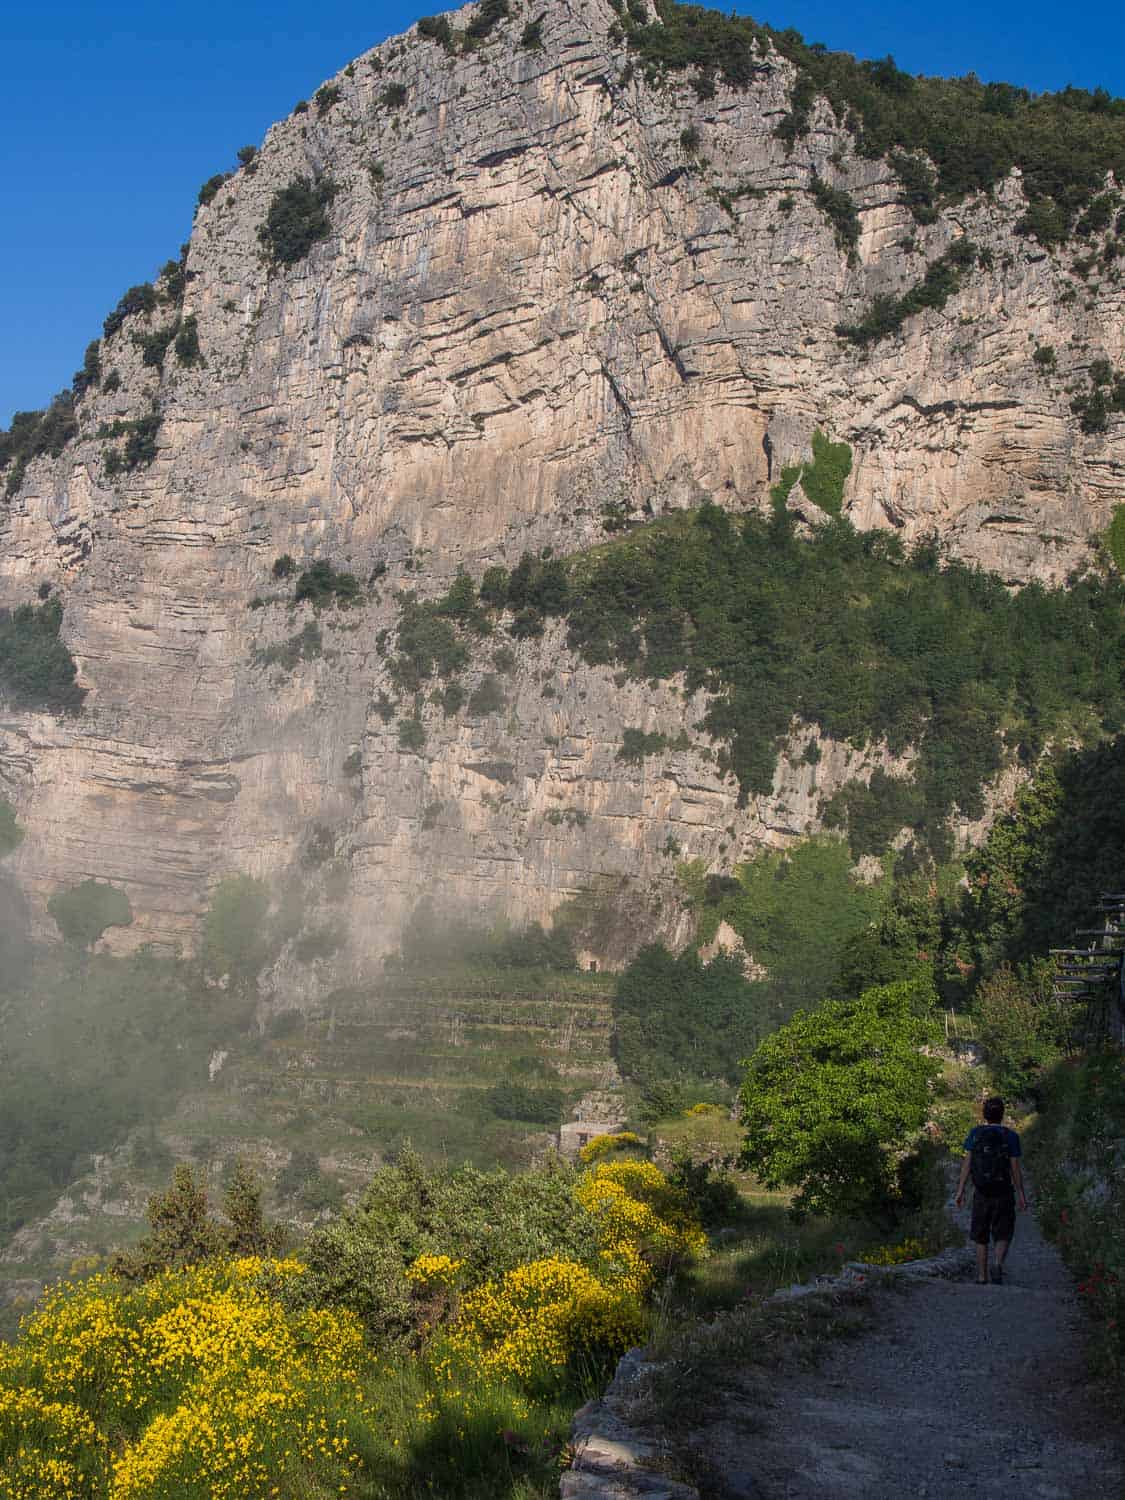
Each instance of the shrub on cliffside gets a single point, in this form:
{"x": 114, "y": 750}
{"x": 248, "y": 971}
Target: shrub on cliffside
{"x": 83, "y": 912}
{"x": 33, "y": 434}
{"x": 297, "y": 220}
{"x": 11, "y": 834}
{"x": 235, "y": 935}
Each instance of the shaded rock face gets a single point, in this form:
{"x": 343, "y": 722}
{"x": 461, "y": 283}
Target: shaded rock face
{"x": 535, "y": 301}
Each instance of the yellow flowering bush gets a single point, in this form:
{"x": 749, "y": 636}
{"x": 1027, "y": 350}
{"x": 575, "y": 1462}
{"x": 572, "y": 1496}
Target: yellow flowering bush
{"x": 606, "y": 1145}
{"x": 48, "y": 1447}
{"x": 428, "y": 1271}
{"x": 552, "y": 1313}
{"x": 543, "y": 1317}
{"x": 644, "y": 1221}
{"x": 896, "y": 1255}
{"x": 205, "y": 1381}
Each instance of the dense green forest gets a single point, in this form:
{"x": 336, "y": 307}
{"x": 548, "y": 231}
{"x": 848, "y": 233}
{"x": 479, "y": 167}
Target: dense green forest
{"x": 843, "y": 630}
{"x": 846, "y": 632}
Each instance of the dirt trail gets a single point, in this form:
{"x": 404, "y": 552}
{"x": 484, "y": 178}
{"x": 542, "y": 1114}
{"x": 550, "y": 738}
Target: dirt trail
{"x": 958, "y": 1390}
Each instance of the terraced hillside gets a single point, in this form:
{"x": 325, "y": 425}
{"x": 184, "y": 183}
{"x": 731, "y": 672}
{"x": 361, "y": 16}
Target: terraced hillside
{"x": 445, "y": 1065}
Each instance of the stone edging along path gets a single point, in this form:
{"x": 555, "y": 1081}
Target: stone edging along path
{"x": 616, "y": 1461}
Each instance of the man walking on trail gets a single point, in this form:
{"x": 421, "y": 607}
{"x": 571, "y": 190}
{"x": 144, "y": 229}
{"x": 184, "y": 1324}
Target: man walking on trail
{"x": 993, "y": 1157}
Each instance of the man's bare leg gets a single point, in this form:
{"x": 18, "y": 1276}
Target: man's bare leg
{"x": 982, "y": 1262}
{"x": 1001, "y": 1252}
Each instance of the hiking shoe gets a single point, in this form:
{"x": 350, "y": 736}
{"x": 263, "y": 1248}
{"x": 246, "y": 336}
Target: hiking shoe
{"x": 997, "y": 1275}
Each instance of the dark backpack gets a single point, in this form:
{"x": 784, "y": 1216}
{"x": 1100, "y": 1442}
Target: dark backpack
{"x": 989, "y": 1161}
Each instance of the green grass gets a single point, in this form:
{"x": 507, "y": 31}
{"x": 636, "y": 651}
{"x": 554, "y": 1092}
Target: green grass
{"x": 462, "y": 1437}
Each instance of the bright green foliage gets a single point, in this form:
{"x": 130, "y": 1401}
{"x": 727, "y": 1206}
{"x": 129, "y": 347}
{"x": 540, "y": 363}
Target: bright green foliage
{"x": 797, "y": 912}
{"x": 840, "y": 631}
{"x": 831, "y": 1100}
{"x": 796, "y": 909}
{"x": 681, "y": 1018}
{"x": 1115, "y": 539}
{"x": 973, "y": 132}
{"x": 11, "y": 834}
{"x": 904, "y": 939}
{"x": 491, "y": 1221}
{"x": 886, "y": 315}
{"x": 1019, "y": 1026}
{"x": 321, "y": 585}
{"x": 297, "y": 220}
{"x": 34, "y": 433}
{"x": 236, "y": 939}
{"x": 83, "y": 912}
{"x": 36, "y": 671}
{"x": 822, "y": 480}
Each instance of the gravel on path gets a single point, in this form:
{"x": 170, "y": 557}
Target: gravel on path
{"x": 958, "y": 1390}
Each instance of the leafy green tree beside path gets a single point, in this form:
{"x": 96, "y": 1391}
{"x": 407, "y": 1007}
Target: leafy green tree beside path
{"x": 831, "y": 1101}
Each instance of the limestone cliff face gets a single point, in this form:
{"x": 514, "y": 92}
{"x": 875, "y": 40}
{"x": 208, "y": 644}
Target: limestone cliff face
{"x": 534, "y": 301}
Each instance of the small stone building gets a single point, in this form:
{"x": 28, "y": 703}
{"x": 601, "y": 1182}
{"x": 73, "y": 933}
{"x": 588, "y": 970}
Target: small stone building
{"x": 578, "y": 1133}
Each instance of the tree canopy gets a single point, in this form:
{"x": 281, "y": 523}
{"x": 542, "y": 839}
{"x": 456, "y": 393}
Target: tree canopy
{"x": 831, "y": 1101}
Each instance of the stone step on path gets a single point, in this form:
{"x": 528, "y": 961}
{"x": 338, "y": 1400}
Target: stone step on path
{"x": 959, "y": 1390}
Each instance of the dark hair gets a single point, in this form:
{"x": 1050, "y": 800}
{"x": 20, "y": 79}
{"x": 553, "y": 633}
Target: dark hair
{"x": 994, "y": 1109}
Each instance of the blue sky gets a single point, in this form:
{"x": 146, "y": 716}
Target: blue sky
{"x": 112, "y": 112}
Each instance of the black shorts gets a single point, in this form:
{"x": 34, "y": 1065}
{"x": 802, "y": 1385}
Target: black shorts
{"x": 994, "y": 1216}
